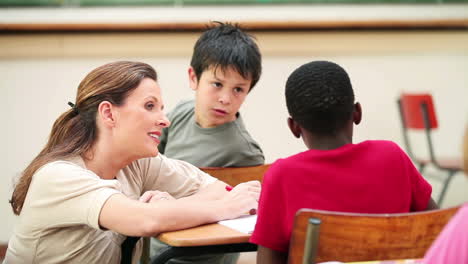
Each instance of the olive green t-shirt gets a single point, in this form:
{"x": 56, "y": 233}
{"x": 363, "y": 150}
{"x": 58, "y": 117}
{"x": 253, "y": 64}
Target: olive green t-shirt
{"x": 227, "y": 145}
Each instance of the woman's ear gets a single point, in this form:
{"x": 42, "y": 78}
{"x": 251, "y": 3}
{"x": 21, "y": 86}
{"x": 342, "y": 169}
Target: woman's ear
{"x": 357, "y": 113}
{"x": 294, "y": 127}
{"x": 193, "y": 80}
{"x": 106, "y": 113}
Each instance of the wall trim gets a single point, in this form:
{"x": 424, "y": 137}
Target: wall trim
{"x": 250, "y": 25}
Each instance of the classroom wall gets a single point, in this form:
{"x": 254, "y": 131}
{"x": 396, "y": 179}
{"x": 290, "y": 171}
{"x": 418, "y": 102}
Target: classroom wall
{"x": 40, "y": 73}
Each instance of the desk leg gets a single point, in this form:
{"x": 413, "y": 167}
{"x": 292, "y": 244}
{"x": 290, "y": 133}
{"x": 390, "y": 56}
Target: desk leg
{"x": 172, "y": 252}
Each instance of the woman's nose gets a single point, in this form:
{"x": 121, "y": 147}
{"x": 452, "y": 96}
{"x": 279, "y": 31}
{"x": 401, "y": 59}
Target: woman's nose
{"x": 164, "y": 121}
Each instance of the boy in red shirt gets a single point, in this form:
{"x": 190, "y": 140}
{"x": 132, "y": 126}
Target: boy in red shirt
{"x": 373, "y": 176}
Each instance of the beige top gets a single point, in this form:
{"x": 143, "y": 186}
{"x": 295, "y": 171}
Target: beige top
{"x": 59, "y": 219}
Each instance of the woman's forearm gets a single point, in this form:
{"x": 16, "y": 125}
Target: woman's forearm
{"x": 213, "y": 191}
{"x": 135, "y": 218}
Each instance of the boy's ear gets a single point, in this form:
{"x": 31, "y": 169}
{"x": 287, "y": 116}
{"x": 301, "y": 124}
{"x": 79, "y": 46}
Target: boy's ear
{"x": 294, "y": 127}
{"x": 106, "y": 114}
{"x": 357, "y": 113}
{"x": 193, "y": 80}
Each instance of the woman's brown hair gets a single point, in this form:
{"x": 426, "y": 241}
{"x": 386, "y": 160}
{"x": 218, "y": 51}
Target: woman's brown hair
{"x": 75, "y": 131}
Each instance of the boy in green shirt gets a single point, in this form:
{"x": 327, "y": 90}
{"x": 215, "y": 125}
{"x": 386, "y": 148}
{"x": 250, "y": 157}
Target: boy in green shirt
{"x": 209, "y": 131}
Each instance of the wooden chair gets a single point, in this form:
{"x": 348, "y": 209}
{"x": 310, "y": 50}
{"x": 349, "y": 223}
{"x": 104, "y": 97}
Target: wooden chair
{"x": 417, "y": 112}
{"x": 236, "y": 175}
{"x": 420, "y": 162}
{"x": 320, "y": 236}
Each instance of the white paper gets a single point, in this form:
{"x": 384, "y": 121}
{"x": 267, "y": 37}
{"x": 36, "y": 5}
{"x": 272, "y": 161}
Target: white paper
{"x": 244, "y": 224}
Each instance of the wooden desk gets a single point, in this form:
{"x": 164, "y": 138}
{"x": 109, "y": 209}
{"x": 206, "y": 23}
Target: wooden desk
{"x": 205, "y": 239}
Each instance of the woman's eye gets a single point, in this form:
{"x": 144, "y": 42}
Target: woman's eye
{"x": 149, "y": 106}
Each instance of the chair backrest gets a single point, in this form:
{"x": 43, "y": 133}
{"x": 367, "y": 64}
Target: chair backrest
{"x": 350, "y": 237}
{"x": 236, "y": 175}
{"x": 415, "y": 108}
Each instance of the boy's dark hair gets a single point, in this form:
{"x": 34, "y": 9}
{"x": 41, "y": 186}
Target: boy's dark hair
{"x": 226, "y": 45}
{"x": 319, "y": 97}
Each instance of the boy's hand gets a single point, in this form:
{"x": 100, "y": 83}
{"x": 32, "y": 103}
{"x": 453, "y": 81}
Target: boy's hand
{"x": 153, "y": 196}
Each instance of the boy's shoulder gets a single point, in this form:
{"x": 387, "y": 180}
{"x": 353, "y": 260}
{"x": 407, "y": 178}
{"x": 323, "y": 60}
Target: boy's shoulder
{"x": 375, "y": 147}
{"x": 183, "y": 107}
{"x": 181, "y": 110}
{"x": 180, "y": 115}
{"x": 380, "y": 145}
{"x": 383, "y": 149}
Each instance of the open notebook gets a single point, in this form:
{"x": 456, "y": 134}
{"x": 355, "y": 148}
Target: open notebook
{"x": 244, "y": 224}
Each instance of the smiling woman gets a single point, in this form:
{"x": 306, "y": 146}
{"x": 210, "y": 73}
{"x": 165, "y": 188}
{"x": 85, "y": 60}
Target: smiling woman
{"x": 100, "y": 178}
{"x": 140, "y": 120}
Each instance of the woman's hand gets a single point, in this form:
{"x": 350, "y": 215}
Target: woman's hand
{"x": 153, "y": 196}
{"x": 251, "y": 188}
{"x": 242, "y": 199}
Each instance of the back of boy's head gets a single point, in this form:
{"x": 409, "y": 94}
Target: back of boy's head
{"x": 320, "y": 98}
{"x": 227, "y": 46}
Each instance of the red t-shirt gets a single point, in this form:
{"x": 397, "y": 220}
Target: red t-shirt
{"x": 369, "y": 177}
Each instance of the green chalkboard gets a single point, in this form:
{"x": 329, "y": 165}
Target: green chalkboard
{"x": 24, "y": 3}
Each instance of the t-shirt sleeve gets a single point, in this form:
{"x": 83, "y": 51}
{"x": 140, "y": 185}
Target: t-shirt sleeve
{"x": 420, "y": 189}
{"x": 70, "y": 193}
{"x": 252, "y": 156}
{"x": 451, "y": 246}
{"x": 270, "y": 229}
{"x": 178, "y": 178}
{"x": 248, "y": 151}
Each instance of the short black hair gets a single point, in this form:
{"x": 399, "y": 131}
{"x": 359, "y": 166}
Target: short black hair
{"x": 320, "y": 97}
{"x": 225, "y": 45}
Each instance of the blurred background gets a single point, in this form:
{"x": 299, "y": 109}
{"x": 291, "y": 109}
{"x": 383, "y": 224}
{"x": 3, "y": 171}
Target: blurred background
{"x": 387, "y": 47}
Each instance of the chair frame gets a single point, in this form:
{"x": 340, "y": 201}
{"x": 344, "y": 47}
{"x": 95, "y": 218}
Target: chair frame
{"x": 424, "y": 107}
{"x": 320, "y": 236}
{"x": 420, "y": 162}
